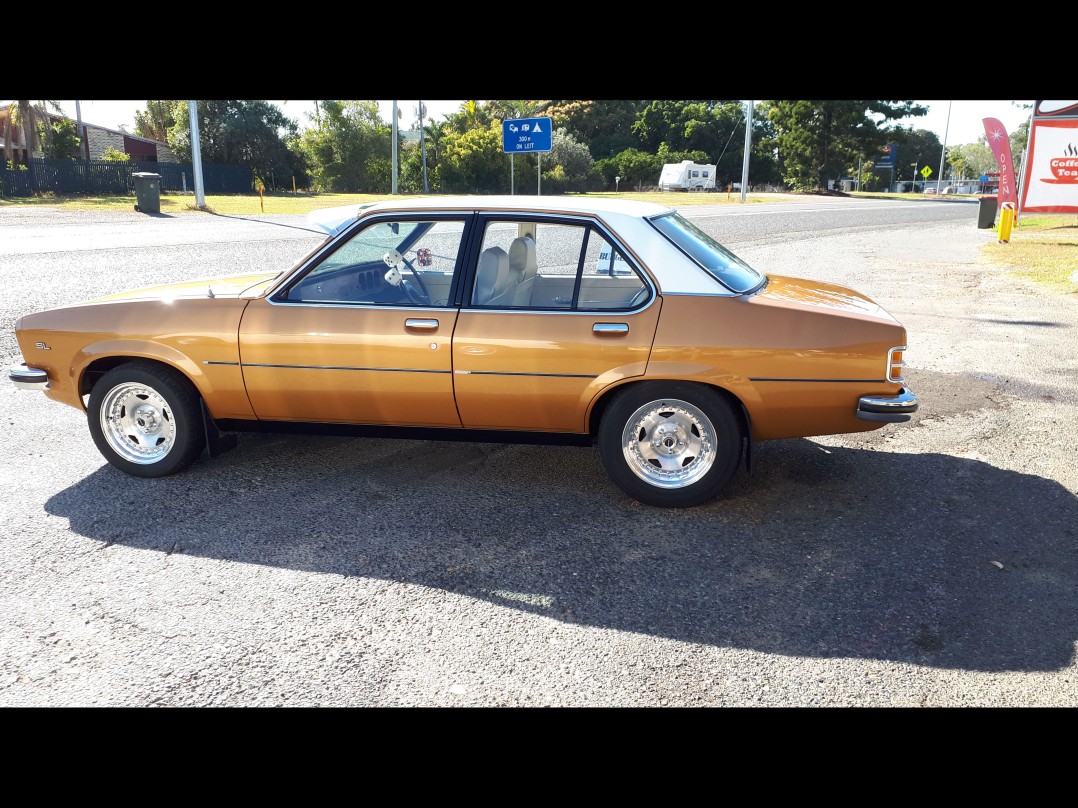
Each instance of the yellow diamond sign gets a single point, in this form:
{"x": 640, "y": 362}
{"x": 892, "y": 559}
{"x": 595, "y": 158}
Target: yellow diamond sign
{"x": 926, "y": 172}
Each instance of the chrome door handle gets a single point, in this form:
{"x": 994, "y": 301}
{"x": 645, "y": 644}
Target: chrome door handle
{"x": 610, "y": 328}
{"x": 422, "y": 325}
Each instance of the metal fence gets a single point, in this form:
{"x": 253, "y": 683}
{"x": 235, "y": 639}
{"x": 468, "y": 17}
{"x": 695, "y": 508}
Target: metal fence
{"x": 96, "y": 177}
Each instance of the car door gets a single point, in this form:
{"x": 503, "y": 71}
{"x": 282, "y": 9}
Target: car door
{"x": 553, "y": 313}
{"x": 353, "y": 339}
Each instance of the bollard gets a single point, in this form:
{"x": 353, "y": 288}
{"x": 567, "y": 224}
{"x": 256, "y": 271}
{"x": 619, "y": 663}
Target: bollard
{"x": 1006, "y": 221}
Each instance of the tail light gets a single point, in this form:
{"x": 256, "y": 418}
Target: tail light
{"x": 895, "y": 365}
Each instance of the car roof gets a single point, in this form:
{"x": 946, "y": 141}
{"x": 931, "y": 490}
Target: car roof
{"x": 333, "y": 220}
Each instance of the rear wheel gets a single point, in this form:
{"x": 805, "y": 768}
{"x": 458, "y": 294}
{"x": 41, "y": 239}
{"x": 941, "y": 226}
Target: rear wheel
{"x": 673, "y": 445}
{"x": 145, "y": 420}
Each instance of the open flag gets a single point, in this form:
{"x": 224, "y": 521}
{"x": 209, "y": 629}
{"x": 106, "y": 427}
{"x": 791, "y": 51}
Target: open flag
{"x": 1001, "y": 148}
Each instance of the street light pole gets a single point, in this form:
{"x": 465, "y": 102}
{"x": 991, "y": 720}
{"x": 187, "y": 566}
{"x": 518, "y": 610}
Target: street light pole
{"x": 946, "y": 129}
{"x": 394, "y": 160}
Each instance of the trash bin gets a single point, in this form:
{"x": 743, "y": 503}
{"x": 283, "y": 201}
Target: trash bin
{"x": 986, "y": 213}
{"x": 147, "y": 192}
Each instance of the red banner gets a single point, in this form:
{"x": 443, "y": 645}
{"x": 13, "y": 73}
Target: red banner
{"x": 1001, "y": 148}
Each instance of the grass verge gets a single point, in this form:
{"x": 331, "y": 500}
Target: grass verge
{"x": 1042, "y": 248}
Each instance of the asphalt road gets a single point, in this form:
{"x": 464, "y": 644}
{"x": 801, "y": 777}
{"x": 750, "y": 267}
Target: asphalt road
{"x": 933, "y": 563}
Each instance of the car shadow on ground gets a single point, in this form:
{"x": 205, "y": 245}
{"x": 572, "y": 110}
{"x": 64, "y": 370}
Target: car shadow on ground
{"x": 926, "y": 559}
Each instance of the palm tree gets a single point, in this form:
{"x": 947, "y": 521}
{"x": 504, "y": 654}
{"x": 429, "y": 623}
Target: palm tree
{"x": 9, "y": 150}
{"x": 435, "y": 134}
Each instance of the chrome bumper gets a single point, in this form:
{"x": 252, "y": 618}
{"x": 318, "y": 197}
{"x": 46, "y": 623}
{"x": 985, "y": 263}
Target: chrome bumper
{"x": 28, "y": 378}
{"x": 888, "y": 409}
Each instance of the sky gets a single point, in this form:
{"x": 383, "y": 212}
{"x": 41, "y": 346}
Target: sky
{"x": 954, "y": 122}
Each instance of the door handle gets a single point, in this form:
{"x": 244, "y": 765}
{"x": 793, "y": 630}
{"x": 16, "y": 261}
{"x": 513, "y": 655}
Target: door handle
{"x": 420, "y": 325}
{"x": 610, "y": 328}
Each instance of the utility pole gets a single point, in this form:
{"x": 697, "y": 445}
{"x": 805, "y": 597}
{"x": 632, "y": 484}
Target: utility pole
{"x": 745, "y": 160}
{"x": 84, "y": 153}
{"x": 423, "y": 144}
{"x": 196, "y": 156}
{"x": 394, "y": 147}
{"x": 946, "y": 129}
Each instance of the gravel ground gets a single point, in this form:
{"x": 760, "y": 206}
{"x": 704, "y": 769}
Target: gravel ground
{"x": 928, "y": 564}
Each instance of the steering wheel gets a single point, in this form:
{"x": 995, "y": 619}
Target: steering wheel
{"x": 420, "y": 296}
{"x": 415, "y": 294}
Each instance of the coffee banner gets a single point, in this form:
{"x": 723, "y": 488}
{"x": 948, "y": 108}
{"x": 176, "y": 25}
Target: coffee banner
{"x": 1050, "y": 170}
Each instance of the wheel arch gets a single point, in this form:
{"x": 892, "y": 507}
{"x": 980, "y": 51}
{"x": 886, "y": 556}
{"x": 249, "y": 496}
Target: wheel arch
{"x": 101, "y": 365}
{"x": 601, "y": 404}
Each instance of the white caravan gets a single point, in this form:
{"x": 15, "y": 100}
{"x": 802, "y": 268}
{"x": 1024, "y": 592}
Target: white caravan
{"x": 687, "y": 176}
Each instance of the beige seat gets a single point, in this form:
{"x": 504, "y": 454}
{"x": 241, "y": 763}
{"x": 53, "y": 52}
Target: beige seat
{"x": 491, "y": 276}
{"x": 522, "y": 263}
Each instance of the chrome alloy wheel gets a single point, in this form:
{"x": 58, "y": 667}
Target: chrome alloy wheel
{"x": 137, "y": 423}
{"x": 669, "y": 443}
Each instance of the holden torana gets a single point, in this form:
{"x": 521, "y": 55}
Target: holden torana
{"x": 615, "y": 323}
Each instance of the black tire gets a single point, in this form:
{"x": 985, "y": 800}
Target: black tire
{"x": 146, "y": 420}
{"x": 693, "y": 446}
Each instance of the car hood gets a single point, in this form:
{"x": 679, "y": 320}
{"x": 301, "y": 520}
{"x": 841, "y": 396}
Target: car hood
{"x": 231, "y": 286}
{"x": 817, "y": 294}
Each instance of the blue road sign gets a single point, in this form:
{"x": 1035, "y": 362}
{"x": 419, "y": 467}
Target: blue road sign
{"x": 526, "y": 135}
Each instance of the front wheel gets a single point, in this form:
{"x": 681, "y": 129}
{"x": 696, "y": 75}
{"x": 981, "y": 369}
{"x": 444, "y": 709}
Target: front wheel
{"x": 145, "y": 420}
{"x": 673, "y": 445}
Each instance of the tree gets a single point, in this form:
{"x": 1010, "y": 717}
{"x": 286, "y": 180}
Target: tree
{"x": 29, "y": 129}
{"x": 158, "y": 117}
{"x": 114, "y": 155}
{"x": 971, "y": 160}
{"x": 819, "y": 140}
{"x": 473, "y": 161}
{"x": 512, "y": 110}
{"x": 349, "y": 149}
{"x": 568, "y": 160}
{"x": 636, "y": 168}
{"x": 250, "y": 133}
{"x": 605, "y": 126}
{"x": 64, "y": 142}
{"x": 472, "y": 115}
{"x": 918, "y": 146}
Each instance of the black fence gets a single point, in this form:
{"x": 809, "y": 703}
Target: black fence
{"x": 99, "y": 177}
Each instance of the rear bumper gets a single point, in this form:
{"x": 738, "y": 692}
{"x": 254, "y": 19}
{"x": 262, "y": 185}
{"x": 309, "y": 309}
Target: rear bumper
{"x": 888, "y": 409}
{"x": 28, "y": 378}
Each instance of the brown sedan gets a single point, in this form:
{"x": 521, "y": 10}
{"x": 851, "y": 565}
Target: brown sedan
{"x": 613, "y": 322}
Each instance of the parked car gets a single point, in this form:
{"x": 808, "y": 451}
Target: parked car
{"x": 614, "y": 323}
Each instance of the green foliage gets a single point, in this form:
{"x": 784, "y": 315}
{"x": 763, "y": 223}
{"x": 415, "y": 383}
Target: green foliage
{"x": 916, "y": 146}
{"x": 971, "y": 160}
{"x": 158, "y": 117}
{"x": 63, "y": 144}
{"x": 604, "y": 126}
{"x": 114, "y": 156}
{"x": 637, "y": 169}
{"x": 569, "y": 153}
{"x": 473, "y": 162}
{"x": 820, "y": 140}
{"x": 349, "y": 149}
{"x": 472, "y": 115}
{"x": 250, "y": 133}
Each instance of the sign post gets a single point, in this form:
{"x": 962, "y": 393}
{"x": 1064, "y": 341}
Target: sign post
{"x": 523, "y": 135}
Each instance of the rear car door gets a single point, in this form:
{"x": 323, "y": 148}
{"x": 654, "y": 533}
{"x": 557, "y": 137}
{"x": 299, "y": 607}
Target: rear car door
{"x": 553, "y": 312}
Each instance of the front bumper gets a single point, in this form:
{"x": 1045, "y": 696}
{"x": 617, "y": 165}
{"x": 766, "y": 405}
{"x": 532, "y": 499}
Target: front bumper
{"x": 28, "y": 378}
{"x": 888, "y": 409}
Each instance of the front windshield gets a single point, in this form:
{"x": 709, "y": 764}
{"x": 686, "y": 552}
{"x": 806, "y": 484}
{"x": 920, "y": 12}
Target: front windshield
{"x": 726, "y": 267}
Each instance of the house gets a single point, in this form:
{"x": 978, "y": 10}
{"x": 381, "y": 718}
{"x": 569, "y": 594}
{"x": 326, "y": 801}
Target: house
{"x": 95, "y": 141}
